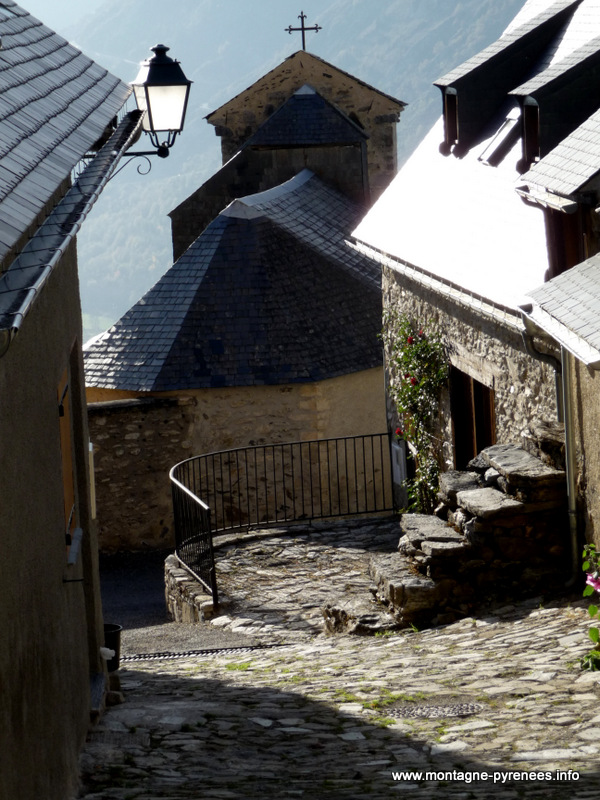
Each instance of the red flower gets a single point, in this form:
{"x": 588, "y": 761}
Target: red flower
{"x": 421, "y": 334}
{"x": 407, "y": 375}
{"x": 399, "y": 432}
{"x": 410, "y": 340}
{"x": 413, "y": 381}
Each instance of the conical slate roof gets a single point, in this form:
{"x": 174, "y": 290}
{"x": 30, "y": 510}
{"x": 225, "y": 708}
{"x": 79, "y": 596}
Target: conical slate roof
{"x": 269, "y": 293}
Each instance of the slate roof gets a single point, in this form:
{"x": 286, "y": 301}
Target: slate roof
{"x": 484, "y": 81}
{"x": 483, "y": 238}
{"x": 568, "y": 308}
{"x": 573, "y": 164}
{"x": 583, "y": 58}
{"x": 55, "y": 104}
{"x": 22, "y": 281}
{"x": 534, "y": 33}
{"x": 268, "y": 294}
{"x": 307, "y": 119}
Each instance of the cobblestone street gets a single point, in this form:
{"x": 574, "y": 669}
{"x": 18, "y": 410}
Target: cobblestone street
{"x": 342, "y": 716}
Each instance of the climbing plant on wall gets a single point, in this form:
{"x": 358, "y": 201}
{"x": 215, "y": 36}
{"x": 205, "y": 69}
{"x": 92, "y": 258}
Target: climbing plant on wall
{"x": 418, "y": 369}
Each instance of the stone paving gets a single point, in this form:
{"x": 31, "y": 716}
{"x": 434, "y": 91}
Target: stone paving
{"x": 353, "y": 717}
{"x": 277, "y": 582}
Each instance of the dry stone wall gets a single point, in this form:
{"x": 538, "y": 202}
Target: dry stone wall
{"x": 501, "y": 533}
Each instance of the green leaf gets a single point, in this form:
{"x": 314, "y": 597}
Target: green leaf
{"x": 593, "y": 611}
{"x": 594, "y": 635}
{"x": 588, "y": 591}
{"x": 585, "y": 566}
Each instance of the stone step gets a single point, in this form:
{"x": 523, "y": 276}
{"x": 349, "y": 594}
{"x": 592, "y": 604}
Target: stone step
{"x": 520, "y": 467}
{"x": 486, "y": 502}
{"x": 358, "y": 615}
{"x": 455, "y": 481}
{"x": 411, "y": 597}
{"x": 429, "y": 536}
{"x": 546, "y": 440}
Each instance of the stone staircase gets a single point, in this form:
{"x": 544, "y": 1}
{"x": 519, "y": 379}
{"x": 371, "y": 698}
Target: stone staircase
{"x": 500, "y": 533}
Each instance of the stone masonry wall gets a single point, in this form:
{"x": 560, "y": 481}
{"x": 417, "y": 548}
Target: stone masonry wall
{"x": 137, "y": 441}
{"x": 489, "y": 351}
{"x": 587, "y": 425}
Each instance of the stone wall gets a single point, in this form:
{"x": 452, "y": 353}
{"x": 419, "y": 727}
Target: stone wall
{"x": 137, "y": 440}
{"x": 587, "y": 426}
{"x": 50, "y": 611}
{"x": 487, "y": 349}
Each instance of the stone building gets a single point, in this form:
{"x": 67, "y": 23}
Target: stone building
{"x": 305, "y": 113}
{"x": 565, "y": 309}
{"x": 266, "y": 328}
{"x": 373, "y": 111}
{"x": 498, "y": 199}
{"x": 56, "y": 106}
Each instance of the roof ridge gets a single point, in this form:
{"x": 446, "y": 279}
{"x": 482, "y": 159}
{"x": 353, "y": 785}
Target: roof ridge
{"x": 559, "y": 68}
{"x": 281, "y": 190}
{"x": 504, "y": 42}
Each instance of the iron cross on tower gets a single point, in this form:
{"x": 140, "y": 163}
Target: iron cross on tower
{"x": 303, "y": 28}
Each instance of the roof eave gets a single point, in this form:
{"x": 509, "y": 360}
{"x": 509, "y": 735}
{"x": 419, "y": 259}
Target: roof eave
{"x": 23, "y": 280}
{"x": 547, "y": 324}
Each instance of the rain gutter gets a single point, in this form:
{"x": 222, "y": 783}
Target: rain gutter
{"x": 25, "y": 277}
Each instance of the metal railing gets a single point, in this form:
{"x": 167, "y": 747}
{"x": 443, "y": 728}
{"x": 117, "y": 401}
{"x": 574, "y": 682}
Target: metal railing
{"x": 193, "y": 535}
{"x": 274, "y": 484}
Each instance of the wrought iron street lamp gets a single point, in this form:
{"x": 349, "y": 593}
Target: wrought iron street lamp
{"x": 161, "y": 91}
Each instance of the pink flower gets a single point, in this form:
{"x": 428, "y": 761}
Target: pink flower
{"x": 594, "y": 582}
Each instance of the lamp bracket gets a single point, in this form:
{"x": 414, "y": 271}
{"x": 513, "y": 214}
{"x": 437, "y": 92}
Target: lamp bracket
{"x": 142, "y": 169}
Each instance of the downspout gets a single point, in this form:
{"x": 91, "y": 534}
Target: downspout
{"x": 564, "y": 413}
{"x": 567, "y": 386}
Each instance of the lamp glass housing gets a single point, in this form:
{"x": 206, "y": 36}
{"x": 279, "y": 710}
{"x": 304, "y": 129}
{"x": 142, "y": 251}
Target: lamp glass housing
{"x": 162, "y": 90}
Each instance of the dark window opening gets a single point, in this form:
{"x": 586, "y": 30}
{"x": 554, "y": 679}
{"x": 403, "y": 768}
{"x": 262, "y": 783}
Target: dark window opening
{"x": 531, "y": 136}
{"x": 66, "y": 449}
{"x": 450, "y": 121}
{"x": 473, "y": 417}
